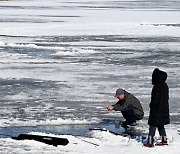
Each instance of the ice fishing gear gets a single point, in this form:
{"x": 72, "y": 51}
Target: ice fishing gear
{"x": 55, "y": 141}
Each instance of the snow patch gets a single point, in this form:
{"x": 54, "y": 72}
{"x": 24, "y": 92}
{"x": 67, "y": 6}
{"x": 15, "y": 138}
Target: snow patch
{"x": 55, "y": 122}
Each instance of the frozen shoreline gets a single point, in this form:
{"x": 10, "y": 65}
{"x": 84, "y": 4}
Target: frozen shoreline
{"x": 102, "y": 142}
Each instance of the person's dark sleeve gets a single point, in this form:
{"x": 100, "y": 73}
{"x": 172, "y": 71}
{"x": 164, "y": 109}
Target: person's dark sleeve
{"x": 118, "y": 107}
{"x": 155, "y": 96}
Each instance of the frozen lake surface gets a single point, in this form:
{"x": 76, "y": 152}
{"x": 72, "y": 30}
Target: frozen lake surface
{"x": 62, "y": 61}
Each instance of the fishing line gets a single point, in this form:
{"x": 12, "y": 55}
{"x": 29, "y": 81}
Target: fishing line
{"x": 86, "y": 141}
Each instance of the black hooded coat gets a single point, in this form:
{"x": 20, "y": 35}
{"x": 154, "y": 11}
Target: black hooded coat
{"x": 159, "y": 105}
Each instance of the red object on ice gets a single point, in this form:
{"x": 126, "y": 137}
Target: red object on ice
{"x": 149, "y": 145}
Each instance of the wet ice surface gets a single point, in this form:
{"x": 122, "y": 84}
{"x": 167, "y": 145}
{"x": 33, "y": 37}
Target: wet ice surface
{"x": 62, "y": 61}
{"x": 78, "y": 79}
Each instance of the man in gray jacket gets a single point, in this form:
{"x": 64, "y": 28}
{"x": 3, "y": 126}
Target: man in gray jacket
{"x": 129, "y": 106}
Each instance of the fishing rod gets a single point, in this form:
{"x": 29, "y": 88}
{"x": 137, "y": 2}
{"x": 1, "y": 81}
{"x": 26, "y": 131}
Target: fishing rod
{"x": 86, "y": 141}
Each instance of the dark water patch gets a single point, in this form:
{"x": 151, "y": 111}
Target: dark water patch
{"x": 122, "y": 56}
{"x": 95, "y": 38}
{"x": 155, "y": 53}
{"x": 58, "y": 16}
{"x": 74, "y": 129}
{"x": 29, "y": 98}
{"x": 27, "y": 50}
{"x": 107, "y": 38}
{"x": 17, "y": 36}
{"x": 159, "y": 57}
{"x": 171, "y": 25}
{"x": 161, "y": 5}
{"x": 17, "y": 7}
{"x": 25, "y": 20}
{"x": 131, "y": 5}
{"x": 27, "y": 86}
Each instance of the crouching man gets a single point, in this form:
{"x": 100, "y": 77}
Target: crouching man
{"x": 129, "y": 106}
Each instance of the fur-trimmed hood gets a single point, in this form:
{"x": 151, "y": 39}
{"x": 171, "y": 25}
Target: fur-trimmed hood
{"x": 158, "y": 76}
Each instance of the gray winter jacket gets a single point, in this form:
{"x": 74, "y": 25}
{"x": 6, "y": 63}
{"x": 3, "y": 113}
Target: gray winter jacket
{"x": 130, "y": 101}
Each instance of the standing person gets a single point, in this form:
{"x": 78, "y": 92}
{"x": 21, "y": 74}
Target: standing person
{"x": 129, "y": 106}
{"x": 159, "y": 108}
